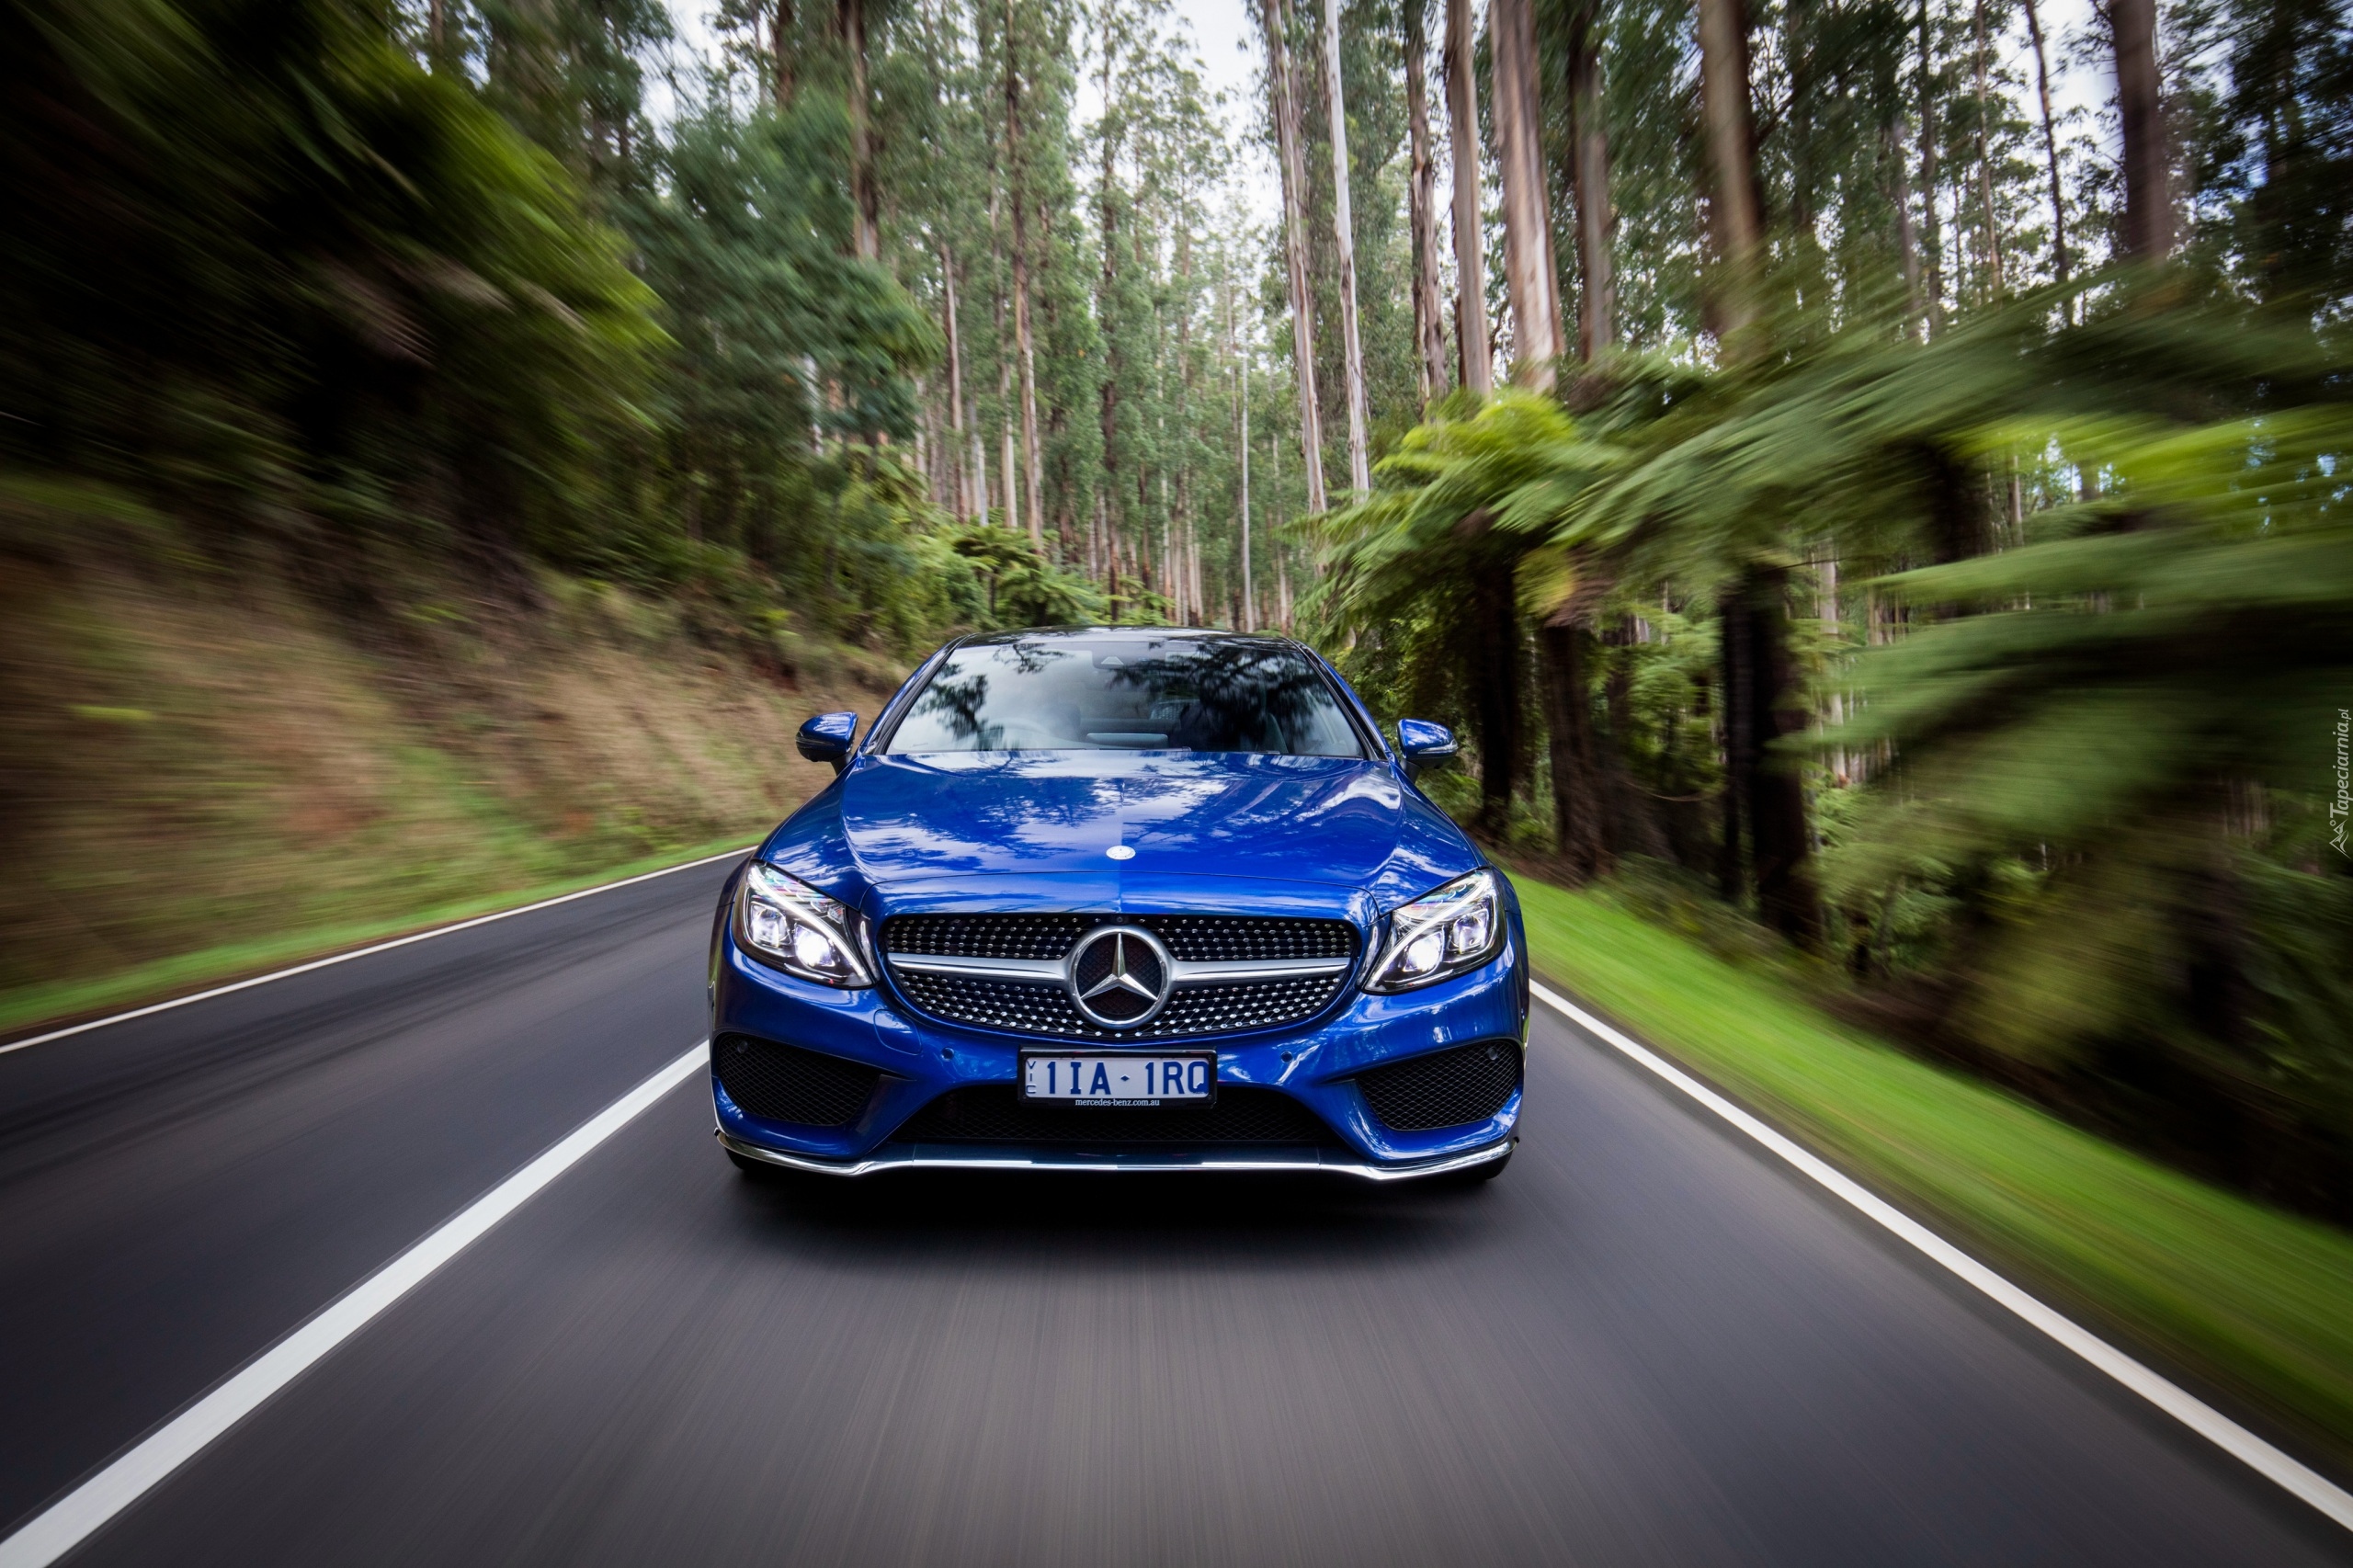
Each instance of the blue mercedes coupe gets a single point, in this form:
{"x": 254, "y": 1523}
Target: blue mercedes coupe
{"x": 1119, "y": 899}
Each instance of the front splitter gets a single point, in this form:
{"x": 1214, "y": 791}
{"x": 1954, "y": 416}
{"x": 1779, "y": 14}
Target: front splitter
{"x": 964, "y": 1156}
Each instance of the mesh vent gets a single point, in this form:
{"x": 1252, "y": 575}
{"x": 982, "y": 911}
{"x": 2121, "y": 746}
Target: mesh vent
{"x": 1217, "y": 939}
{"x": 1194, "y": 938}
{"x": 1247, "y": 1005}
{"x": 996, "y": 1113}
{"x": 782, "y": 1083}
{"x": 1446, "y": 1088}
{"x": 1038, "y": 1009}
{"x": 986, "y": 935}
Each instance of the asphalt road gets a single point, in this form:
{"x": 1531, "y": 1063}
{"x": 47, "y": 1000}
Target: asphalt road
{"x": 1645, "y": 1343}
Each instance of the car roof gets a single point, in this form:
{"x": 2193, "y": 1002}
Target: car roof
{"x": 1119, "y": 634}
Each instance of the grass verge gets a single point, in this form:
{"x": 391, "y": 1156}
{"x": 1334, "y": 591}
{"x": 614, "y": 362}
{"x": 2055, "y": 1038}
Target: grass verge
{"x": 2255, "y": 1302}
{"x": 206, "y": 967}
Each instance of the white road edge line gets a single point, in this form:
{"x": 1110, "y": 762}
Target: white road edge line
{"x": 333, "y": 959}
{"x": 2178, "y": 1402}
{"x": 65, "y": 1523}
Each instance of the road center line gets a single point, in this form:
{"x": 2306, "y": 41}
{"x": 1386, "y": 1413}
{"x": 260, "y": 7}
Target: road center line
{"x": 2178, "y": 1402}
{"x": 61, "y": 1527}
{"x": 333, "y": 959}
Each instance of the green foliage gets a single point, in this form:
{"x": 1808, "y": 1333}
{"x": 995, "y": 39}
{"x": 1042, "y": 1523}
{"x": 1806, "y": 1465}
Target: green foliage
{"x": 1023, "y": 588}
{"x": 2134, "y": 685}
{"x": 268, "y": 268}
{"x": 282, "y": 275}
{"x": 2089, "y": 748}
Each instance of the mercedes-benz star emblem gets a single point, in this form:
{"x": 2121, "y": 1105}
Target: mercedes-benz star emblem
{"x": 1119, "y": 976}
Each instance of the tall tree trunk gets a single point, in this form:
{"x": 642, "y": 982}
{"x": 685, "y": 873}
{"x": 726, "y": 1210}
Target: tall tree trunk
{"x": 1494, "y": 629}
{"x": 1936, "y": 313}
{"x": 1985, "y": 169}
{"x": 1344, "y": 237}
{"x": 1180, "y": 580}
{"x": 1469, "y": 236}
{"x": 1010, "y": 501}
{"x": 1429, "y": 326}
{"x": 1244, "y": 498}
{"x": 1763, "y": 793}
{"x": 1734, "y": 690}
{"x": 1589, "y": 136}
{"x": 1907, "y": 235}
{"x": 780, "y": 81}
{"x": 1275, "y": 14}
{"x": 1630, "y": 821}
{"x": 851, "y": 16}
{"x": 1009, "y": 470}
{"x": 1528, "y": 210}
{"x": 1733, "y": 209}
{"x": 1764, "y": 797}
{"x": 953, "y": 449}
{"x": 1241, "y": 427}
{"x": 1033, "y": 483}
{"x": 2140, "y": 107}
{"x": 1780, "y": 850}
{"x": 1106, "y": 289}
{"x": 2050, "y": 156}
{"x": 1568, "y": 724}
{"x": 1053, "y": 421}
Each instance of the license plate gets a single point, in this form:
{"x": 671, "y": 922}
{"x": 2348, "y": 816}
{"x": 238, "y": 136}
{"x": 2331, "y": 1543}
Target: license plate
{"x": 1120, "y": 1080}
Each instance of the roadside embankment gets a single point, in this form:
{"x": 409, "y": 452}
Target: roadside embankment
{"x": 204, "y": 772}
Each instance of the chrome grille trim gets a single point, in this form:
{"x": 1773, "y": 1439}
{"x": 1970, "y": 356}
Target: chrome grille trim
{"x": 1047, "y": 969}
{"x": 1215, "y": 973}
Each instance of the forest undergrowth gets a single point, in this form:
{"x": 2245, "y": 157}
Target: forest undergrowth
{"x": 210, "y": 771}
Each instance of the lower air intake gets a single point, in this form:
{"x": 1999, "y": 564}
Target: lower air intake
{"x": 1446, "y": 1088}
{"x": 783, "y": 1083}
{"x": 996, "y": 1113}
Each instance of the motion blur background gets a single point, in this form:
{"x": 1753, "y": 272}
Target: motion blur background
{"x": 1905, "y": 553}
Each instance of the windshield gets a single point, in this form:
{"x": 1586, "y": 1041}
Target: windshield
{"x": 1128, "y": 694}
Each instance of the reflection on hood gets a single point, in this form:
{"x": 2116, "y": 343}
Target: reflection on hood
{"x": 1328, "y": 820}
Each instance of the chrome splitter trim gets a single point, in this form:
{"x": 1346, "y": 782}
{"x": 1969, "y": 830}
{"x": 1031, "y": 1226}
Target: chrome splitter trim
{"x": 918, "y": 1156}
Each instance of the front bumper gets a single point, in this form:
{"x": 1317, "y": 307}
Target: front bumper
{"x": 921, "y": 1059}
{"x": 980, "y": 1157}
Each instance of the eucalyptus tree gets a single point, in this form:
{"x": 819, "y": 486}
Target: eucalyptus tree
{"x": 1471, "y": 332}
{"x": 1344, "y": 245}
{"x": 1588, "y": 159}
{"x": 1284, "y": 111}
{"x": 2147, "y": 231}
{"x": 1529, "y": 267}
{"x": 1430, "y": 321}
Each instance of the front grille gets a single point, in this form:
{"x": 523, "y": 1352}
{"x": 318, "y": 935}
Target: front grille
{"x": 996, "y": 1113}
{"x": 1194, "y": 938}
{"x": 1446, "y": 1088}
{"x": 1044, "y": 1008}
{"x": 1039, "y": 1008}
{"x": 783, "y": 1083}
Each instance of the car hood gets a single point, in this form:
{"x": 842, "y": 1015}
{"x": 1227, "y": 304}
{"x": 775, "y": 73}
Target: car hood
{"x": 940, "y": 820}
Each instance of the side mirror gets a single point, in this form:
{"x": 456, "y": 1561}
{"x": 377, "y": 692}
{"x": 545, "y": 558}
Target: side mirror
{"x": 826, "y": 738}
{"x": 1424, "y": 744}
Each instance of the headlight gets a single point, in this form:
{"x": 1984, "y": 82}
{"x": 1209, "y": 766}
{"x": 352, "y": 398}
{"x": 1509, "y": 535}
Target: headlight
{"x": 786, "y": 922}
{"x": 1444, "y": 932}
